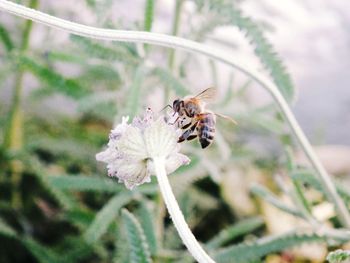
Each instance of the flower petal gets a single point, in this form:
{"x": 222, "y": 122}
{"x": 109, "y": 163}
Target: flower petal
{"x": 160, "y": 139}
{"x": 132, "y": 144}
{"x": 176, "y": 160}
{"x": 133, "y": 174}
{"x": 145, "y": 121}
{"x": 118, "y": 131}
{"x": 108, "y": 155}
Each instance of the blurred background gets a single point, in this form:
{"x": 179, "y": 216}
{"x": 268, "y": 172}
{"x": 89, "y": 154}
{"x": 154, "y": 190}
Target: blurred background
{"x": 61, "y": 94}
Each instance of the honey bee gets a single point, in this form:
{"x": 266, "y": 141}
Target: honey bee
{"x": 202, "y": 124}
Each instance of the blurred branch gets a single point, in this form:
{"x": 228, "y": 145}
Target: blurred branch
{"x": 14, "y": 130}
{"x": 269, "y": 197}
{"x": 194, "y": 47}
{"x": 175, "y": 31}
{"x": 6, "y": 39}
{"x": 149, "y": 13}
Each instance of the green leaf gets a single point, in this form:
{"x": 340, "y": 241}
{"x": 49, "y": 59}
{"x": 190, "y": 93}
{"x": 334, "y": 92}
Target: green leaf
{"x": 53, "y": 79}
{"x": 229, "y": 233}
{"x": 91, "y": 3}
{"x": 41, "y": 253}
{"x": 114, "y": 53}
{"x": 6, "y": 230}
{"x": 121, "y": 252}
{"x": 64, "y": 199}
{"x": 229, "y": 14}
{"x": 253, "y": 251}
{"x": 306, "y": 176}
{"x": 146, "y": 220}
{"x": 269, "y": 197}
{"x": 6, "y": 39}
{"x": 81, "y": 218}
{"x": 139, "y": 249}
{"x": 105, "y": 217}
{"x": 298, "y": 195}
{"x": 65, "y": 56}
{"x": 74, "y": 249}
{"x": 84, "y": 183}
{"x": 167, "y": 78}
{"x": 339, "y": 256}
{"x": 149, "y": 12}
{"x": 62, "y": 147}
{"x": 41, "y": 93}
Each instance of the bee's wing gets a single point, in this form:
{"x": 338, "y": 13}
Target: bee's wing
{"x": 226, "y": 118}
{"x": 207, "y": 95}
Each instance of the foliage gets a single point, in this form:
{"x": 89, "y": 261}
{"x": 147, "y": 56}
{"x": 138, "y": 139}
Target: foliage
{"x": 251, "y": 252}
{"x": 338, "y": 256}
{"x": 229, "y": 14}
{"x": 139, "y": 249}
{"x": 74, "y": 90}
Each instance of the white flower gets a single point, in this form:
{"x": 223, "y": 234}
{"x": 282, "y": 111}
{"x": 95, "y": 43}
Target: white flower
{"x": 132, "y": 148}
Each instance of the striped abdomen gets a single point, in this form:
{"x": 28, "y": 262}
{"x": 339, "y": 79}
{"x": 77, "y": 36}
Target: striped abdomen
{"x": 206, "y": 128}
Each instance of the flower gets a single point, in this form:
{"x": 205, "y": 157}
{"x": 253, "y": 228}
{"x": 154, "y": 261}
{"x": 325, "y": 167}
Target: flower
{"x": 132, "y": 148}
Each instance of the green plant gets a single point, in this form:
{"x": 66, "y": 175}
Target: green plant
{"x": 70, "y": 211}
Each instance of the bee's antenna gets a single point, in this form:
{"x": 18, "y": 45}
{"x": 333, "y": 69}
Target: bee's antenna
{"x": 166, "y": 107}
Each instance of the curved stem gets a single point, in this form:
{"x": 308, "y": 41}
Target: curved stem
{"x": 191, "y": 46}
{"x": 176, "y": 215}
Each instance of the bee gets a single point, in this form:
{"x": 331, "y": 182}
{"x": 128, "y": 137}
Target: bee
{"x": 202, "y": 121}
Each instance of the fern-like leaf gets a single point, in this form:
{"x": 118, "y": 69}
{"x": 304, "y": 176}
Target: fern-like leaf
{"x": 6, "y": 230}
{"x": 251, "y": 252}
{"x": 229, "y": 14}
{"x": 105, "y": 217}
{"x": 84, "y": 183}
{"x": 149, "y": 12}
{"x": 139, "y": 249}
{"x": 74, "y": 250}
{"x": 64, "y": 199}
{"x": 246, "y": 226}
{"x": 339, "y": 256}
{"x": 146, "y": 220}
{"x": 79, "y": 217}
{"x": 307, "y": 177}
{"x": 54, "y": 80}
{"x": 95, "y": 49}
{"x": 41, "y": 253}
{"x": 121, "y": 252}
{"x": 6, "y": 39}
{"x": 269, "y": 197}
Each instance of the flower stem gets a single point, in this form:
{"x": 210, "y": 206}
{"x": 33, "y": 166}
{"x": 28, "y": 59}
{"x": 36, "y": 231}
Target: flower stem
{"x": 194, "y": 47}
{"x": 175, "y": 31}
{"x": 176, "y": 215}
{"x": 14, "y": 133}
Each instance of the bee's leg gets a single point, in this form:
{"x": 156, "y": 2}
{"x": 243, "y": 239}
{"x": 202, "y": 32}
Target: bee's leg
{"x": 191, "y": 137}
{"x": 189, "y": 113}
{"x": 175, "y": 121}
{"x": 187, "y": 133}
{"x": 186, "y": 126}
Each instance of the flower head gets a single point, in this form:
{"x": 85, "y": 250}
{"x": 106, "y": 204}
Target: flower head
{"x": 132, "y": 148}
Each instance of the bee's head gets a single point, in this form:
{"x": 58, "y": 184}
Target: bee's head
{"x": 176, "y": 105}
